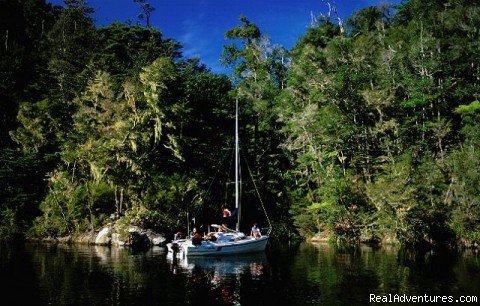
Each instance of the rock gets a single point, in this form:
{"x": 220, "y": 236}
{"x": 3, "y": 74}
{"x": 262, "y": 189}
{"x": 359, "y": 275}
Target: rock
{"x": 139, "y": 239}
{"x": 134, "y": 229}
{"x": 155, "y": 239}
{"x": 84, "y": 238}
{"x": 120, "y": 234}
{"x": 104, "y": 237}
{"x": 158, "y": 240}
{"x": 369, "y": 238}
{"x": 66, "y": 239}
{"x": 118, "y": 240}
{"x": 324, "y": 236}
{"x": 389, "y": 239}
{"x": 132, "y": 237}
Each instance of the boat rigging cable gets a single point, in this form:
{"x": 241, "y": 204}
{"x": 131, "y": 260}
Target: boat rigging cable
{"x": 253, "y": 181}
{"x": 205, "y": 194}
{"x": 258, "y": 193}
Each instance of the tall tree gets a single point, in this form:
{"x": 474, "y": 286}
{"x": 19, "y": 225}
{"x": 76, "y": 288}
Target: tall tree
{"x": 147, "y": 10}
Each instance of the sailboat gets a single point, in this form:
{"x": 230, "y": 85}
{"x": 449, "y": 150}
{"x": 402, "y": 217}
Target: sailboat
{"x": 225, "y": 241}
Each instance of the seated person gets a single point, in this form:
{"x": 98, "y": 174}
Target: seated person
{"x": 194, "y": 231}
{"x": 210, "y": 237}
{"x": 224, "y": 228}
{"x": 255, "y": 232}
{"x": 197, "y": 239}
{"x": 178, "y": 235}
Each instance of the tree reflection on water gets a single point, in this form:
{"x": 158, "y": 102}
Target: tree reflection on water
{"x": 304, "y": 274}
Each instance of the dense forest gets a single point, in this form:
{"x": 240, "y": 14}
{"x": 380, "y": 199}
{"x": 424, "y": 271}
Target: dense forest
{"x": 367, "y": 130}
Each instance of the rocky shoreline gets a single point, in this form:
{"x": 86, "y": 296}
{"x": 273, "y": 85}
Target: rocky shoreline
{"x": 114, "y": 234}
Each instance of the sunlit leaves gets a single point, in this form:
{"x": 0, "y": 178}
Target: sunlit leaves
{"x": 468, "y": 108}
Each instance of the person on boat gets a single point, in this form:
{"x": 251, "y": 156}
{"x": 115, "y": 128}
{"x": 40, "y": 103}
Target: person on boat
{"x": 222, "y": 228}
{"x": 228, "y": 217}
{"x": 194, "y": 231}
{"x": 210, "y": 237}
{"x": 255, "y": 232}
{"x": 225, "y": 212}
{"x": 197, "y": 239}
{"x": 178, "y": 235}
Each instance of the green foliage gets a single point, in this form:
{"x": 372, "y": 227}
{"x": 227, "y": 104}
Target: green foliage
{"x": 9, "y": 225}
{"x": 469, "y": 108}
{"x": 164, "y": 203}
{"x": 247, "y": 31}
{"x": 366, "y": 131}
{"x": 365, "y": 21}
{"x": 126, "y": 49}
{"x": 318, "y": 36}
{"x": 22, "y": 186}
{"x": 463, "y": 193}
{"x": 370, "y": 117}
{"x": 23, "y": 57}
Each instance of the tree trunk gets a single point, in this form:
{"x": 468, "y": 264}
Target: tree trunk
{"x": 117, "y": 206}
{"x": 121, "y": 201}
{"x": 6, "y": 40}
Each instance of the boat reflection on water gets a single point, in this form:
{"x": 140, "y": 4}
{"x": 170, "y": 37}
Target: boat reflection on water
{"x": 222, "y": 278}
{"x": 223, "y": 266}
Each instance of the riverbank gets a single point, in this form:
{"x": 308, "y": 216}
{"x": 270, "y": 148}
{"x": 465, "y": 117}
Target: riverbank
{"x": 118, "y": 233}
{"x": 330, "y": 237}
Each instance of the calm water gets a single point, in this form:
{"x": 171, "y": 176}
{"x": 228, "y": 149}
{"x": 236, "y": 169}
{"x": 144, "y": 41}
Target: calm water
{"x": 305, "y": 274}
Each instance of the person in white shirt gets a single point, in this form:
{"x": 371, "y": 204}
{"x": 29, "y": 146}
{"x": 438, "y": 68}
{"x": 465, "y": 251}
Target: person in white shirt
{"x": 255, "y": 232}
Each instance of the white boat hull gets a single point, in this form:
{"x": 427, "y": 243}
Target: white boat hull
{"x": 247, "y": 245}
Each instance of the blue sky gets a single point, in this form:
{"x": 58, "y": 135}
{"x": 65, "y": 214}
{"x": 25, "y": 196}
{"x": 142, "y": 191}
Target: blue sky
{"x": 199, "y": 25}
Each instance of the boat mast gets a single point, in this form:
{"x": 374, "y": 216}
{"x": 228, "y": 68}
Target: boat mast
{"x": 237, "y": 161}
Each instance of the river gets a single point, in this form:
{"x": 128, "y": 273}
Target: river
{"x": 305, "y": 274}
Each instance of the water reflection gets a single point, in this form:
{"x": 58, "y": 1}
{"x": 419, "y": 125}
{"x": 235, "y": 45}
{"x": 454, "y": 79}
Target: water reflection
{"x": 223, "y": 265}
{"x": 326, "y": 274}
{"x": 305, "y": 274}
{"x": 97, "y": 275}
{"x": 223, "y": 277}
